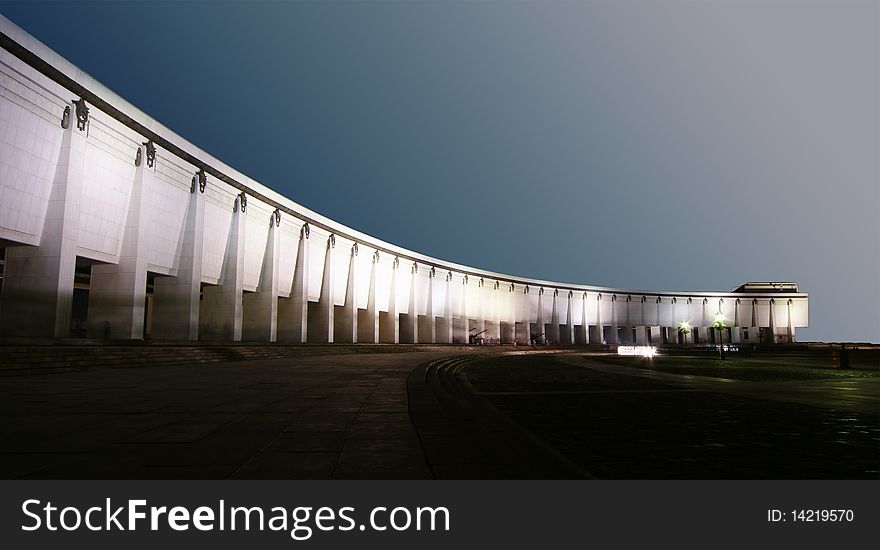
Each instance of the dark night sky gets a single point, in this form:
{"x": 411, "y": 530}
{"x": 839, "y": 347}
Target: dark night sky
{"x": 688, "y": 145}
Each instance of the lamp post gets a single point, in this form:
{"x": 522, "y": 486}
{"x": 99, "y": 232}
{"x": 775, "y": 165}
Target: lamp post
{"x": 719, "y": 324}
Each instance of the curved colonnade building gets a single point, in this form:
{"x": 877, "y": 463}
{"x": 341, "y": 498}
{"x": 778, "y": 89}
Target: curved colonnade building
{"x": 114, "y": 226}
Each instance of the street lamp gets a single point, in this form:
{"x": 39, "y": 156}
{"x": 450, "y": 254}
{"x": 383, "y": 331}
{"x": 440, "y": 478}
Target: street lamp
{"x": 719, "y": 324}
{"x": 684, "y": 328}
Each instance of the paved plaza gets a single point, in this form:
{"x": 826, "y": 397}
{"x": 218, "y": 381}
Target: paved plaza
{"x": 442, "y": 412}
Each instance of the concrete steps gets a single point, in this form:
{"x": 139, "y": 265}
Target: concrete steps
{"x": 21, "y": 356}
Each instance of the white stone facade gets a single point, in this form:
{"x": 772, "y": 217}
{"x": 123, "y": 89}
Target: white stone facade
{"x": 165, "y": 257}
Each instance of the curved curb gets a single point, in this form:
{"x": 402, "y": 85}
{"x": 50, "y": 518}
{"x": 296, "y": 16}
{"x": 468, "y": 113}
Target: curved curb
{"x": 444, "y": 407}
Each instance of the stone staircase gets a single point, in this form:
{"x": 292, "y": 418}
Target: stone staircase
{"x": 36, "y": 356}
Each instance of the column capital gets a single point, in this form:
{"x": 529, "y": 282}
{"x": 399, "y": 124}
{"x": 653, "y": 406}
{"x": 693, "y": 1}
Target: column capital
{"x": 199, "y": 178}
{"x": 82, "y": 115}
{"x": 150, "y": 148}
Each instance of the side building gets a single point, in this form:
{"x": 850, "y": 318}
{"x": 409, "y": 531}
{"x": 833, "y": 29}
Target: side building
{"x": 113, "y": 226}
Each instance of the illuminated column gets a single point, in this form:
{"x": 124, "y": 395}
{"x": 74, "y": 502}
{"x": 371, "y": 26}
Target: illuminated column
{"x": 464, "y": 313}
{"x": 553, "y": 334}
{"x": 38, "y": 280}
{"x": 447, "y": 311}
{"x": 176, "y": 299}
{"x": 480, "y": 324}
{"x": 323, "y": 319}
{"x": 493, "y": 323}
{"x": 348, "y": 321}
{"x": 460, "y": 329}
{"x": 523, "y": 331}
{"x": 117, "y": 292}
{"x": 790, "y": 322}
{"x": 585, "y": 321}
{"x": 541, "y": 330}
{"x": 660, "y": 319}
{"x": 736, "y": 330}
{"x": 704, "y": 321}
{"x": 409, "y": 332}
{"x": 644, "y": 318}
{"x": 771, "y": 330}
{"x": 696, "y": 328}
{"x": 614, "y": 321}
{"x": 599, "y": 329}
{"x": 754, "y": 323}
{"x": 368, "y": 323}
{"x": 260, "y": 308}
{"x": 221, "y": 309}
{"x": 568, "y": 337}
{"x": 389, "y": 329}
{"x": 642, "y": 330}
{"x": 507, "y": 329}
{"x": 293, "y": 312}
{"x": 427, "y": 325}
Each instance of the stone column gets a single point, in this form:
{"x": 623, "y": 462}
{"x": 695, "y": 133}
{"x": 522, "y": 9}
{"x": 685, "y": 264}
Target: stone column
{"x": 493, "y": 322}
{"x": 321, "y": 329}
{"x": 480, "y": 324}
{"x": 221, "y": 310}
{"x": 553, "y": 333}
{"x": 523, "y": 332}
{"x": 447, "y": 311}
{"x": 389, "y": 328}
{"x": 293, "y": 312}
{"x": 541, "y": 327}
{"x": 614, "y": 320}
{"x": 368, "y": 322}
{"x": 568, "y": 337}
{"x": 460, "y": 329}
{"x": 117, "y": 292}
{"x": 707, "y": 327}
{"x": 771, "y": 329}
{"x": 38, "y": 280}
{"x": 585, "y": 321}
{"x": 260, "y": 308}
{"x": 410, "y": 333}
{"x": 176, "y": 300}
{"x": 428, "y": 327}
{"x": 507, "y": 329}
{"x": 348, "y": 321}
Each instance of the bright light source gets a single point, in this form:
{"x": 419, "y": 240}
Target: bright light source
{"x": 643, "y": 351}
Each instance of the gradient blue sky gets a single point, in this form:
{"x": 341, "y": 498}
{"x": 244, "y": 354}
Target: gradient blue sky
{"x": 656, "y": 145}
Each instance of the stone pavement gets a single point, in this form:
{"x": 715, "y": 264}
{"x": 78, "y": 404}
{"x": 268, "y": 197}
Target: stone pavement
{"x": 327, "y": 412}
{"x": 328, "y": 416}
{"x": 621, "y": 422}
{"x": 442, "y": 412}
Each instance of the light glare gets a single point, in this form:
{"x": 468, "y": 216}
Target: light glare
{"x": 643, "y": 351}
